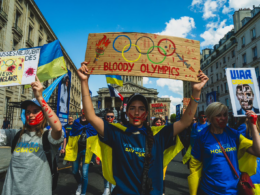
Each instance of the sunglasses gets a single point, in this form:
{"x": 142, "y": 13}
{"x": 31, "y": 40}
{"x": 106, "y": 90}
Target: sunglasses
{"x": 110, "y": 116}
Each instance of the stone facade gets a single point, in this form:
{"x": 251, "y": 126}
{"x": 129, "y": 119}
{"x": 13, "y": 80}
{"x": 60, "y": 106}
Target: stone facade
{"x": 127, "y": 90}
{"x": 22, "y": 25}
{"x": 239, "y": 48}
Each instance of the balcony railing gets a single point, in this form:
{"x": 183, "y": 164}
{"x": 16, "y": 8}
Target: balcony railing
{"x": 3, "y": 14}
{"x": 16, "y": 27}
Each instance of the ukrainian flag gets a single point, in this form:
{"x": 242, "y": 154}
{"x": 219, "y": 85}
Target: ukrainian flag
{"x": 114, "y": 79}
{"x": 51, "y": 62}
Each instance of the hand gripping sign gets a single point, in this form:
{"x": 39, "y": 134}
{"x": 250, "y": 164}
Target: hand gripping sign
{"x": 139, "y": 54}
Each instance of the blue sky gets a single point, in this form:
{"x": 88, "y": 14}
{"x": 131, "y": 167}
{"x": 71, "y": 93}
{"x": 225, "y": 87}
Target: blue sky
{"x": 204, "y": 20}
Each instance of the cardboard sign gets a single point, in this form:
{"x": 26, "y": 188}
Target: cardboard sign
{"x": 18, "y": 67}
{"x": 186, "y": 102}
{"x": 158, "y": 109}
{"x": 243, "y": 90}
{"x": 139, "y": 54}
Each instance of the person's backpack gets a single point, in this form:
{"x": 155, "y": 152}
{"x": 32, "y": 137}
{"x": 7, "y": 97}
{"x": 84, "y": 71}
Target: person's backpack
{"x": 47, "y": 150}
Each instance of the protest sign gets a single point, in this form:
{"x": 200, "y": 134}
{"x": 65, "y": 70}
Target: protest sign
{"x": 211, "y": 97}
{"x": 18, "y": 67}
{"x": 158, "y": 109}
{"x": 243, "y": 90}
{"x": 63, "y": 101}
{"x": 140, "y": 54}
{"x": 178, "y": 112}
{"x": 186, "y": 102}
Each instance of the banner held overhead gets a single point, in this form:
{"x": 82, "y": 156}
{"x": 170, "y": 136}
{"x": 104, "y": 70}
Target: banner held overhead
{"x": 140, "y": 54}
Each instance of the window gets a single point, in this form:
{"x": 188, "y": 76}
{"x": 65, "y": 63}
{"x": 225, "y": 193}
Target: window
{"x": 224, "y": 72}
{"x": 211, "y": 69}
{"x": 217, "y": 76}
{"x": 212, "y": 80}
{"x": 253, "y": 35}
{"x": 257, "y": 72}
{"x": 227, "y": 103}
{"x": 202, "y": 108}
{"x": 15, "y": 44}
{"x": 39, "y": 42}
{"x": 6, "y": 104}
{"x": 41, "y": 28}
{"x": 218, "y": 89}
{"x": 234, "y": 65}
{"x": 224, "y": 60}
{"x": 217, "y": 65}
{"x": 226, "y": 87}
{"x": 17, "y": 18}
{"x": 233, "y": 53}
{"x": 212, "y": 90}
{"x": 254, "y": 53}
{"x": 244, "y": 59}
{"x": 30, "y": 32}
{"x": 221, "y": 86}
{"x": 31, "y": 15}
{"x": 243, "y": 41}
{"x": 206, "y": 72}
{"x": 1, "y": 4}
{"x": 22, "y": 89}
{"x": 220, "y": 76}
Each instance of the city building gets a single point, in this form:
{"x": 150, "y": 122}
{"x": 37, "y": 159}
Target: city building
{"x": 132, "y": 84}
{"x": 22, "y": 25}
{"x": 239, "y": 48}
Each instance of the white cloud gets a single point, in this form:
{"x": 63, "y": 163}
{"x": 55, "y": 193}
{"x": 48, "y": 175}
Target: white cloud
{"x": 215, "y": 31}
{"x": 196, "y": 2}
{"x": 175, "y": 86}
{"x": 146, "y": 81}
{"x": 209, "y": 8}
{"x": 184, "y": 25}
{"x": 236, "y": 4}
{"x": 174, "y": 102}
{"x": 226, "y": 10}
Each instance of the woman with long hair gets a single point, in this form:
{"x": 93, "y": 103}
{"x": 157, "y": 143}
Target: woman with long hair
{"x": 216, "y": 147}
{"x": 29, "y": 171}
{"x": 157, "y": 122}
{"x": 138, "y": 158}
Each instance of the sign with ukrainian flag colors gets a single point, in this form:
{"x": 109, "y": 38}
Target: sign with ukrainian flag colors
{"x": 18, "y": 67}
{"x": 243, "y": 90}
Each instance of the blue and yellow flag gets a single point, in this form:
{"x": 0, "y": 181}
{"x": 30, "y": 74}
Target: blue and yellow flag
{"x": 51, "y": 62}
{"x": 114, "y": 79}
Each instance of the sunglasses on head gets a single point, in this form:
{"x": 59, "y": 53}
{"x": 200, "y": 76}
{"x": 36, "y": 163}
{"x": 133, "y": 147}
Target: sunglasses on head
{"x": 110, "y": 116}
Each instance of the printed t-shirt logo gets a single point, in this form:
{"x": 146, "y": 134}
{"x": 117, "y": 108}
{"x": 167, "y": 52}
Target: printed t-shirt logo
{"x": 227, "y": 148}
{"x": 27, "y": 147}
{"x": 138, "y": 151}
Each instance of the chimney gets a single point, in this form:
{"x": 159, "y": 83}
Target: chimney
{"x": 239, "y": 16}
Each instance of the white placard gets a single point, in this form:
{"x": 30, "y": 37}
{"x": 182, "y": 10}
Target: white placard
{"x": 243, "y": 90}
{"x": 18, "y": 67}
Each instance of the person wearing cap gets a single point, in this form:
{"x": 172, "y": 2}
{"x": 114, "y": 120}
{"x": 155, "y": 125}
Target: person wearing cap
{"x": 77, "y": 150}
{"x": 136, "y": 154}
{"x": 29, "y": 171}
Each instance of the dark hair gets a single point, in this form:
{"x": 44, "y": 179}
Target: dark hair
{"x": 109, "y": 111}
{"x": 201, "y": 113}
{"x": 155, "y": 120}
{"x": 146, "y": 182}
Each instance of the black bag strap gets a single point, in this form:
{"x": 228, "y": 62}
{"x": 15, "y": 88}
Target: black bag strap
{"x": 15, "y": 140}
{"x": 146, "y": 181}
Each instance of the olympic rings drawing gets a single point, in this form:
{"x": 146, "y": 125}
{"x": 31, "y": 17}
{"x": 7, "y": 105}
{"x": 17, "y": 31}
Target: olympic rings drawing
{"x": 172, "y": 45}
{"x": 129, "y": 47}
{"x": 117, "y": 38}
{"x": 158, "y": 49}
{"x": 144, "y": 37}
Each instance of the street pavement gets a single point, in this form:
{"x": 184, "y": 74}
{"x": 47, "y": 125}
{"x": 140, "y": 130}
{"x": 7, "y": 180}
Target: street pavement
{"x": 176, "y": 179}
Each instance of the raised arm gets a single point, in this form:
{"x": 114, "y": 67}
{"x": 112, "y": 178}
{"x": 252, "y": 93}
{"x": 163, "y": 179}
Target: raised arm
{"x": 51, "y": 116}
{"x": 187, "y": 117}
{"x": 90, "y": 115}
{"x": 255, "y": 149}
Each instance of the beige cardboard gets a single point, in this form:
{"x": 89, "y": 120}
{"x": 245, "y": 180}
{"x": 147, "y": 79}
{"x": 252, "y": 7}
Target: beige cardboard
{"x": 110, "y": 54}
{"x": 158, "y": 109}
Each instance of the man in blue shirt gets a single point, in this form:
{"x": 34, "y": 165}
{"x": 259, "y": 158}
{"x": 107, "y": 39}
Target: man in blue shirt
{"x": 6, "y": 124}
{"x": 197, "y": 127}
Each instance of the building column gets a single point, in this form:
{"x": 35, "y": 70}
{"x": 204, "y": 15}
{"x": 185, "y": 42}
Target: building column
{"x": 113, "y": 102}
{"x": 103, "y": 103}
{"x": 152, "y": 100}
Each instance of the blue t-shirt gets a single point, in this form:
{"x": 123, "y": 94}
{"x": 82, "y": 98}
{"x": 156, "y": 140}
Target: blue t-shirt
{"x": 65, "y": 136}
{"x": 196, "y": 128}
{"x": 128, "y": 158}
{"x": 218, "y": 177}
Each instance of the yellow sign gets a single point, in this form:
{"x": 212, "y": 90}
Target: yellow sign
{"x": 11, "y": 69}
